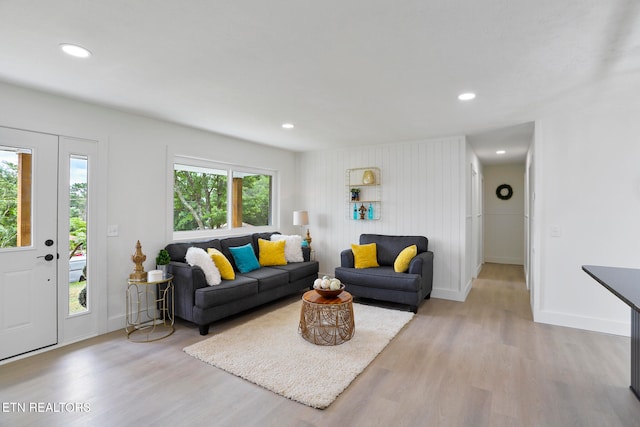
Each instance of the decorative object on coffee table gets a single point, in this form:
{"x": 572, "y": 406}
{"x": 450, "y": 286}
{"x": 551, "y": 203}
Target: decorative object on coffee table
{"x": 138, "y": 275}
{"x": 328, "y": 287}
{"x": 329, "y": 293}
{"x": 326, "y": 321}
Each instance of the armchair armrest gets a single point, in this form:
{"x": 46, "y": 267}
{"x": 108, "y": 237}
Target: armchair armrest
{"x": 422, "y": 264}
{"x": 346, "y": 259}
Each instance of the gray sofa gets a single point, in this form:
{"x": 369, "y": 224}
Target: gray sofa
{"x": 383, "y": 283}
{"x": 201, "y": 304}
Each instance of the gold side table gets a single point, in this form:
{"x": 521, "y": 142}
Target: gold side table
{"x": 326, "y": 321}
{"x": 150, "y": 308}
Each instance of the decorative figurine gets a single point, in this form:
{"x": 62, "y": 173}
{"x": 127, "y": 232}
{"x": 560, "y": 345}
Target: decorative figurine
{"x": 308, "y": 238}
{"x": 138, "y": 275}
{"x": 363, "y": 211}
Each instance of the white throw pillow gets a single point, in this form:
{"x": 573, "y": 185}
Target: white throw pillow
{"x": 199, "y": 257}
{"x": 292, "y": 247}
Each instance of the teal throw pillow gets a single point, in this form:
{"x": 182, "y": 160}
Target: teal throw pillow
{"x": 245, "y": 258}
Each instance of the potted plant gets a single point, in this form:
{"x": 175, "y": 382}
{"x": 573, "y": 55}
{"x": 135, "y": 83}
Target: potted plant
{"x": 355, "y": 194}
{"x": 162, "y": 261}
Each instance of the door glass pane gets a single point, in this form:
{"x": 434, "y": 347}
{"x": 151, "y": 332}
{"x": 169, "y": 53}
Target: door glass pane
{"x": 78, "y": 248}
{"x": 15, "y": 197}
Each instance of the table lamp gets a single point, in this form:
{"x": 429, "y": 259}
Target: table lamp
{"x": 302, "y": 218}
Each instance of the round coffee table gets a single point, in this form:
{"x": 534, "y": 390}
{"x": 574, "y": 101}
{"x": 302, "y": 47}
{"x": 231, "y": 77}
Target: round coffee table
{"x": 326, "y": 321}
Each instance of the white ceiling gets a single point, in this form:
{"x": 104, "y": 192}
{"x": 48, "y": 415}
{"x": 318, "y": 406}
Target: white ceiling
{"x": 344, "y": 72}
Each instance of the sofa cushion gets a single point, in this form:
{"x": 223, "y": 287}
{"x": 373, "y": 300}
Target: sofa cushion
{"x": 198, "y": 257}
{"x": 365, "y": 255}
{"x": 388, "y": 247}
{"x": 265, "y": 235}
{"x": 271, "y": 253}
{"x": 402, "y": 261}
{"x": 233, "y": 242}
{"x": 245, "y": 258}
{"x": 228, "y": 290}
{"x": 268, "y": 278}
{"x": 223, "y": 264}
{"x": 178, "y": 251}
{"x": 300, "y": 270}
{"x": 382, "y": 278}
{"x": 292, "y": 248}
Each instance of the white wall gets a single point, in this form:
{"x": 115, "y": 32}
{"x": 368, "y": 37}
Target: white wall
{"x": 504, "y": 229}
{"x": 136, "y": 150}
{"x": 587, "y": 190}
{"x": 474, "y": 215}
{"x": 423, "y": 193}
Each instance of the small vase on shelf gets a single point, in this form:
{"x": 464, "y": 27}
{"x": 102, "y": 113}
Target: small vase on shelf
{"x": 370, "y": 211}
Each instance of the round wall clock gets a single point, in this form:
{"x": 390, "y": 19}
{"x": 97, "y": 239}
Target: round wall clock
{"x": 504, "y": 192}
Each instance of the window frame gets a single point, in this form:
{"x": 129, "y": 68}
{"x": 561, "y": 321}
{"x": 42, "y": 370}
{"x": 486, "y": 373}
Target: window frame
{"x": 229, "y": 168}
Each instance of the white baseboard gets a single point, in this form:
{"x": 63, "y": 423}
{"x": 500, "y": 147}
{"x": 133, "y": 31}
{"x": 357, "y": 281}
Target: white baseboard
{"x": 504, "y": 260}
{"x": 452, "y": 295}
{"x": 582, "y": 322}
{"x": 115, "y": 323}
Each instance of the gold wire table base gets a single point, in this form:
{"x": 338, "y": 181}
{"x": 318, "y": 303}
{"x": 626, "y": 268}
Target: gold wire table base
{"x": 326, "y": 321}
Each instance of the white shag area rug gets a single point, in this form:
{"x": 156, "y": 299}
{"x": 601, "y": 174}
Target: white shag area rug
{"x": 269, "y": 352}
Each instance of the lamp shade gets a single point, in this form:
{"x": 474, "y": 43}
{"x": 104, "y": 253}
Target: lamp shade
{"x": 300, "y": 217}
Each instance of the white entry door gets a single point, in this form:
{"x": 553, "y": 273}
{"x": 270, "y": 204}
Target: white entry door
{"x": 29, "y": 259}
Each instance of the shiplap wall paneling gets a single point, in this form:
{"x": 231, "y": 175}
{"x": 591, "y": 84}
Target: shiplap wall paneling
{"x": 422, "y": 188}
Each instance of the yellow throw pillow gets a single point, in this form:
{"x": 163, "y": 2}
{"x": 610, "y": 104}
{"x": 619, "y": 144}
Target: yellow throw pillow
{"x": 271, "y": 253}
{"x": 223, "y": 264}
{"x": 365, "y": 256}
{"x": 401, "y": 264}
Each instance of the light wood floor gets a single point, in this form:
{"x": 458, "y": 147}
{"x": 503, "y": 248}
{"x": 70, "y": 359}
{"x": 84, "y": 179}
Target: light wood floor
{"x": 479, "y": 363}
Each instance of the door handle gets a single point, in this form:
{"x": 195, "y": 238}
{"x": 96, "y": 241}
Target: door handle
{"x": 47, "y": 257}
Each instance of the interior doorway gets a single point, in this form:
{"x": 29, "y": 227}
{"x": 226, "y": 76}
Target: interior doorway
{"x": 504, "y": 214}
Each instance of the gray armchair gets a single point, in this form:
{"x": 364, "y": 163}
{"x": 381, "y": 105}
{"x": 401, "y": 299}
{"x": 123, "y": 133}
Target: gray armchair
{"x": 383, "y": 283}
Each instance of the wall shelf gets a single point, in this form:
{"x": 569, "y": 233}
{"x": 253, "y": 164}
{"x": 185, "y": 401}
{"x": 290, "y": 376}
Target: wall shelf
{"x": 367, "y": 180}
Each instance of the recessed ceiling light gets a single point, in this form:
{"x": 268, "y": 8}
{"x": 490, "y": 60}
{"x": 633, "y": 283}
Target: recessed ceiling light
{"x": 75, "y": 50}
{"x": 467, "y": 96}
{"x": 500, "y": 152}
{"x": 287, "y": 125}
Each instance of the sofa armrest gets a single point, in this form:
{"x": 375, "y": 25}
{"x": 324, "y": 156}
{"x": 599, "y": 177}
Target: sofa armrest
{"x": 186, "y": 279}
{"x": 346, "y": 258}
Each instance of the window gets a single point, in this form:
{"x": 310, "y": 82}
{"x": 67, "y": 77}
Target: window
{"x": 78, "y": 249}
{"x": 209, "y": 196}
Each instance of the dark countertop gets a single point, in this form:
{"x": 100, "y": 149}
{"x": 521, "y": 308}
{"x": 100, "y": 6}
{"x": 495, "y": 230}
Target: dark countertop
{"x": 622, "y": 282}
